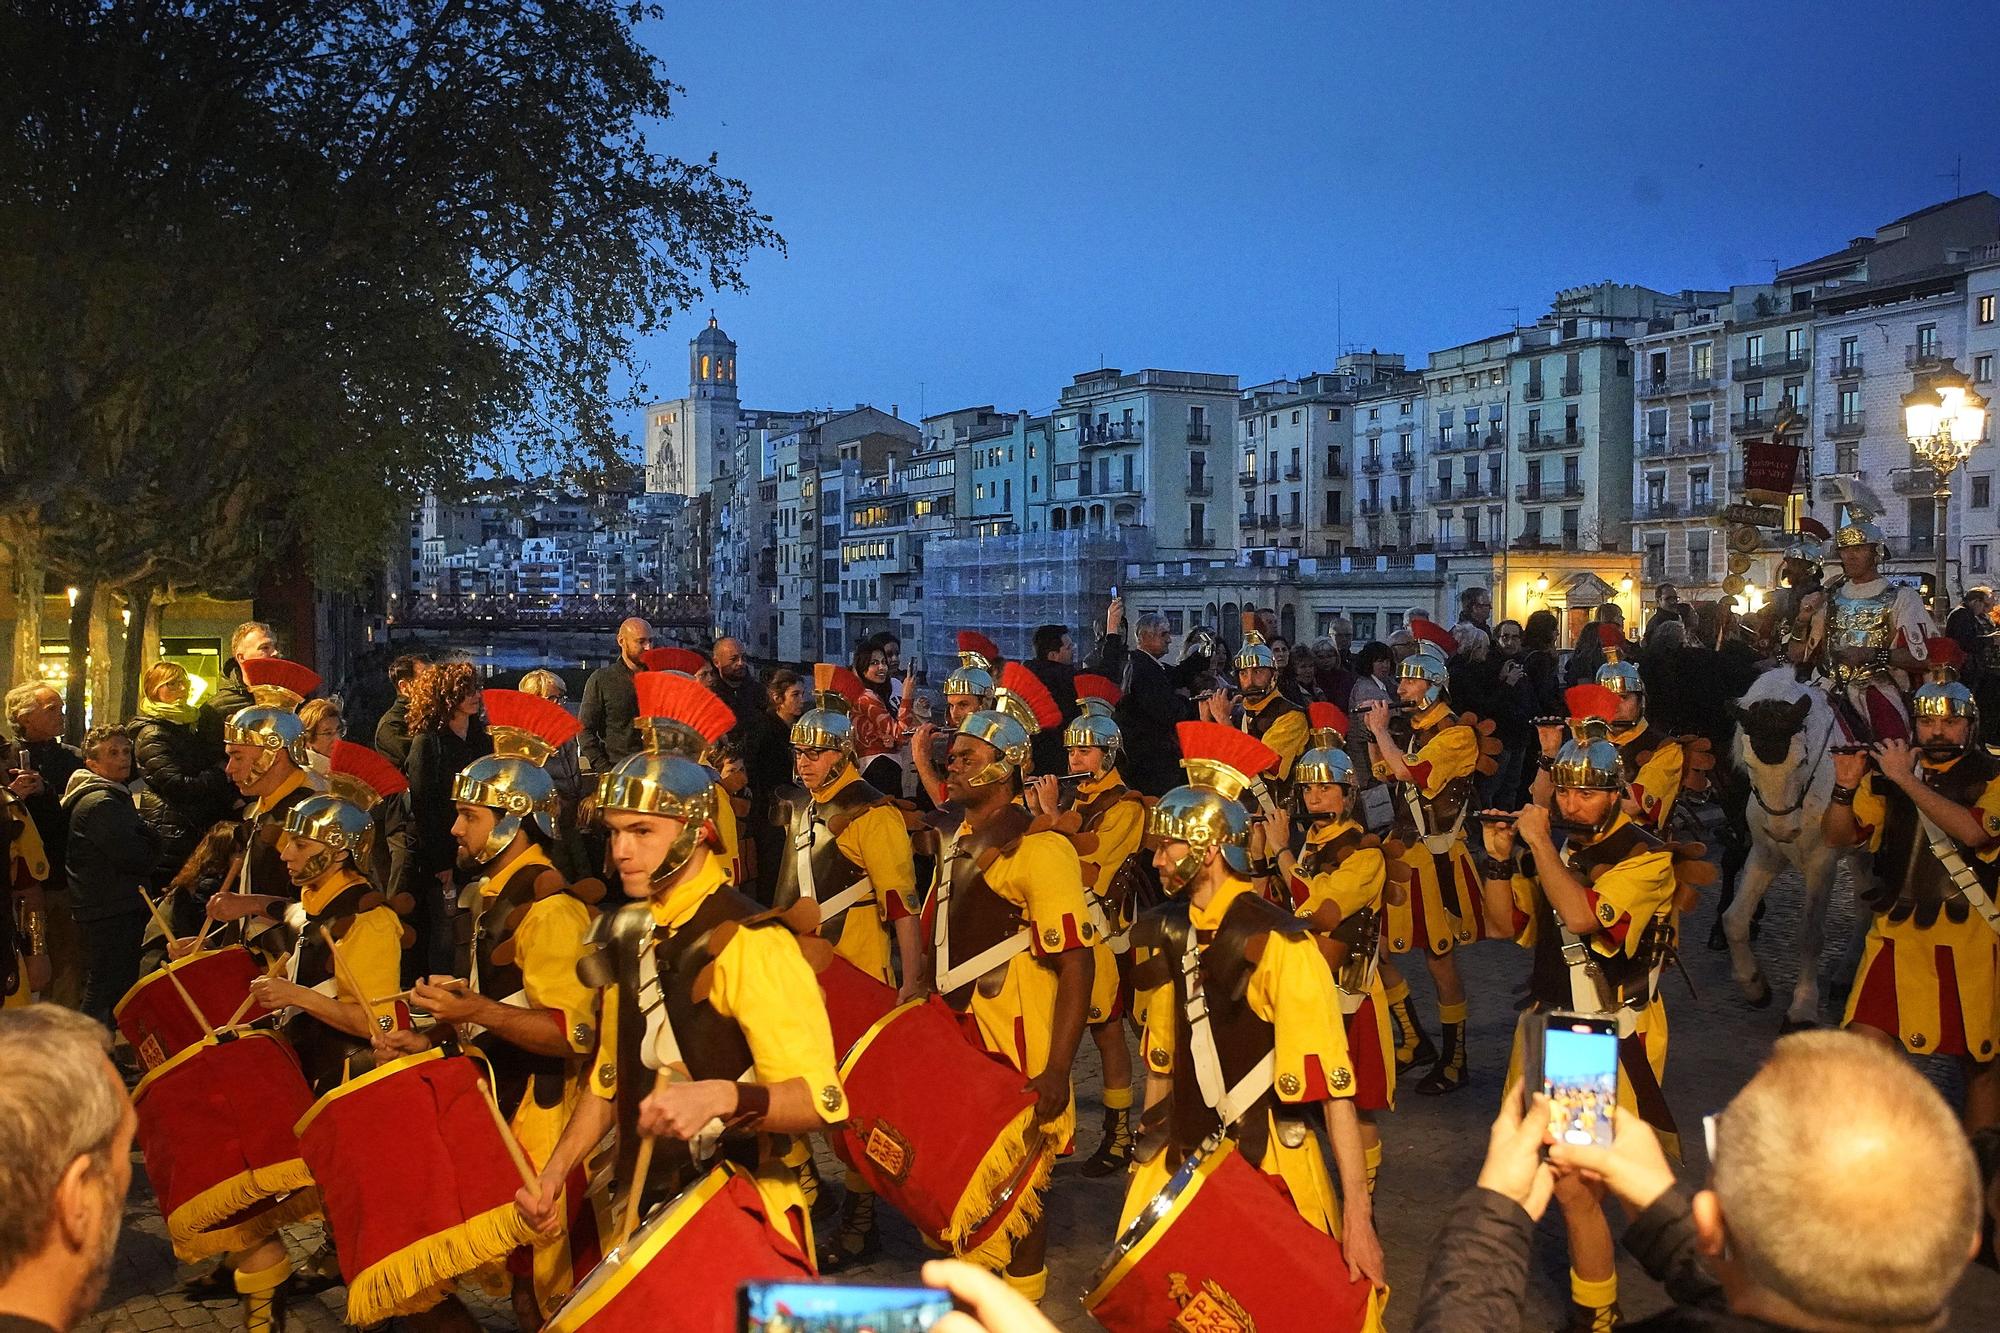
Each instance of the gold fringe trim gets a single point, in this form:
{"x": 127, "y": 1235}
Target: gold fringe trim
{"x": 194, "y": 1226}
{"x": 979, "y": 1200}
{"x": 416, "y": 1277}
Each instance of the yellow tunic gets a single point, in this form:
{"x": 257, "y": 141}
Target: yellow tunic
{"x": 879, "y": 842}
{"x": 1287, "y": 735}
{"x": 726, "y": 832}
{"x": 763, "y": 983}
{"x": 1912, "y": 949}
{"x": 1626, "y": 899}
{"x": 1117, "y": 833}
{"x": 372, "y": 947}
{"x": 1444, "y": 887}
{"x": 1657, "y": 785}
{"x": 1043, "y": 877}
{"x": 1358, "y": 883}
{"x": 1292, "y": 990}
{"x": 548, "y": 943}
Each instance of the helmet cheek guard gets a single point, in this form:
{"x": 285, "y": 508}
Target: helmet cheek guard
{"x": 339, "y": 829}
{"x": 1426, "y": 664}
{"x": 1008, "y": 738}
{"x": 516, "y": 789}
{"x": 1095, "y": 730}
{"x": 1204, "y": 820}
{"x": 272, "y": 730}
{"x": 670, "y": 786}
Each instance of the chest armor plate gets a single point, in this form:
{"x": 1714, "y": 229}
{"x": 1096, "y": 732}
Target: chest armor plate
{"x": 1861, "y": 622}
{"x": 977, "y": 916}
{"x": 327, "y": 1055}
{"x": 516, "y": 1072}
{"x": 1420, "y": 815}
{"x": 832, "y": 873}
{"x": 1627, "y": 978}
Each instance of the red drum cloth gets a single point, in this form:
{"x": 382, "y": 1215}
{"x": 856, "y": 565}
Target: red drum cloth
{"x": 417, "y": 1185}
{"x": 1222, "y": 1248}
{"x": 945, "y": 1132}
{"x": 156, "y": 1020}
{"x": 855, "y": 1002}
{"x": 681, "y": 1268}
{"x": 215, "y": 1124}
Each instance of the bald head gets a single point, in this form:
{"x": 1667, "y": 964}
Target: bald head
{"x": 729, "y": 661}
{"x": 1845, "y": 1183}
{"x": 635, "y": 636}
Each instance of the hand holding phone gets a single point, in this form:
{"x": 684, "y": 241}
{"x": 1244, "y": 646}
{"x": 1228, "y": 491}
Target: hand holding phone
{"x": 767, "y": 1307}
{"x": 1578, "y": 1073}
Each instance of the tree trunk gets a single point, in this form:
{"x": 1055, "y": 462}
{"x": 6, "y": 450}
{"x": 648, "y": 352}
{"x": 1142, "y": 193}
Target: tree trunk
{"x": 105, "y": 705}
{"x": 28, "y": 579}
{"x": 79, "y": 663}
{"x": 139, "y": 601}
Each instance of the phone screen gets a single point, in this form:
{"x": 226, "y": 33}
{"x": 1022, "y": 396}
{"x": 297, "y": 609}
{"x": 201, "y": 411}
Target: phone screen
{"x": 1580, "y": 1079}
{"x": 837, "y": 1307}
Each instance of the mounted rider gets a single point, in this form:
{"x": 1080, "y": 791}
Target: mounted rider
{"x": 1868, "y": 637}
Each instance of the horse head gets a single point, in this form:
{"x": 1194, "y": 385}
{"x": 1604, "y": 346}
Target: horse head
{"x": 1770, "y": 724}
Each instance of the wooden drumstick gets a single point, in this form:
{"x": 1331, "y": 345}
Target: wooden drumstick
{"x": 187, "y": 999}
{"x": 207, "y": 922}
{"x": 528, "y": 1177}
{"x": 347, "y": 979}
{"x": 641, "y": 1164}
{"x": 277, "y": 966}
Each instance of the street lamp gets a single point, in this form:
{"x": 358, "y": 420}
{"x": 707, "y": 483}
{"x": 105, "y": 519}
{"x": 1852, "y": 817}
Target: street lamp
{"x": 1943, "y": 417}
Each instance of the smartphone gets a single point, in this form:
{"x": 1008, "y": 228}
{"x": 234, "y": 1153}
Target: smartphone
{"x": 1579, "y": 1076}
{"x": 806, "y": 1307}
{"x": 1114, "y": 592}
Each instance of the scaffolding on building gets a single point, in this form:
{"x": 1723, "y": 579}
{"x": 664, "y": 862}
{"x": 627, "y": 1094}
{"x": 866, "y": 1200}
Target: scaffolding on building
{"x": 1007, "y": 585}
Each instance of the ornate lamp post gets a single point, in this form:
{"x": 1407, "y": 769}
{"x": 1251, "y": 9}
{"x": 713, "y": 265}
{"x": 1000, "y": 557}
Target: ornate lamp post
{"x": 1943, "y": 417}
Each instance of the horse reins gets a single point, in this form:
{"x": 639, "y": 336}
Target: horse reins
{"x": 1805, "y": 789}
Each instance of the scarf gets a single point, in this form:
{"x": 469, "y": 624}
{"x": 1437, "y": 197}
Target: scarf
{"x": 184, "y": 713}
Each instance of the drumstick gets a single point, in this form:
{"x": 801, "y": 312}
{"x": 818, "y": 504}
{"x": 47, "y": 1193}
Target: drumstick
{"x": 640, "y": 1166}
{"x": 347, "y": 978}
{"x": 187, "y": 999}
{"x": 277, "y": 966}
{"x": 528, "y": 1178}
{"x": 201, "y": 939}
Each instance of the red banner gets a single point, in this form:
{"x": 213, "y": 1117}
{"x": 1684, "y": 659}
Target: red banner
{"x": 1770, "y": 469}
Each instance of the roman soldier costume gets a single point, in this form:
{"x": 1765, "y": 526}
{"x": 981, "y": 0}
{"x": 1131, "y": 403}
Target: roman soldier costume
{"x": 1267, "y": 714}
{"x": 700, "y": 982}
{"x": 1658, "y": 767}
{"x": 1931, "y": 966}
{"x": 1242, "y": 1011}
{"x": 1874, "y": 617}
{"x": 730, "y": 807}
{"x": 271, "y": 723}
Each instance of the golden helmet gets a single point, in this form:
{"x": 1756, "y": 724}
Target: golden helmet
{"x": 1431, "y": 662}
{"x": 828, "y": 724}
{"x": 1207, "y": 811}
{"x": 1254, "y": 652}
{"x": 1942, "y": 694}
{"x": 1617, "y": 675}
{"x": 1096, "y": 725}
{"x": 978, "y": 659}
{"x": 1588, "y": 760}
{"x": 1326, "y": 759}
{"x": 271, "y": 722}
{"x": 1859, "y": 531}
{"x": 526, "y": 730}
{"x": 664, "y": 779}
{"x": 341, "y": 820}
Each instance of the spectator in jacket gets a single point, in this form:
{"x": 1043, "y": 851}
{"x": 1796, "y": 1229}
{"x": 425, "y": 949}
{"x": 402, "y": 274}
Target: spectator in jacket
{"x": 1374, "y": 677}
{"x": 1854, "y": 1212}
{"x": 565, "y": 766}
{"x": 66, "y": 1131}
{"x": 1053, "y": 662}
{"x": 186, "y": 790}
{"x": 43, "y": 768}
{"x": 735, "y": 683}
{"x": 1332, "y": 677}
{"x": 1152, "y": 707}
{"x": 392, "y": 733}
{"x": 1588, "y": 653}
{"x": 611, "y": 702}
{"x": 768, "y": 757}
{"x": 111, "y": 856}
{"x": 252, "y": 638}
{"x": 1512, "y": 704}
{"x": 446, "y": 734}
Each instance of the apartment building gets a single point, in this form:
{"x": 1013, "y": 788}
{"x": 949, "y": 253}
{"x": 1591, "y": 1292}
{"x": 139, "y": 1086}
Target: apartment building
{"x": 1465, "y": 460}
{"x": 1390, "y": 510}
{"x": 1975, "y": 519}
{"x": 1681, "y": 444}
{"x": 1295, "y": 440}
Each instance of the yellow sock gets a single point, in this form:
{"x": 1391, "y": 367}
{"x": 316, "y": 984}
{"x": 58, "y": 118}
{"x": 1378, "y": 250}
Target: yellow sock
{"x": 264, "y": 1279}
{"x": 1451, "y": 1013}
{"x": 855, "y": 1184}
{"x": 1034, "y": 1286}
{"x": 1118, "y": 1099}
{"x": 1593, "y": 1293}
{"x": 1371, "y": 1157}
{"x": 1399, "y": 993}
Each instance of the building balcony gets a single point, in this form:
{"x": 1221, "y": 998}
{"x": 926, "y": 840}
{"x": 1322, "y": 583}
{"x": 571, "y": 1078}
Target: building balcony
{"x": 1537, "y": 441}
{"x": 1372, "y": 465}
{"x": 1199, "y": 485}
{"x": 1844, "y": 367}
{"x": 1748, "y": 422}
{"x": 1112, "y": 432}
{"x": 1406, "y": 460}
{"x": 1445, "y": 494}
{"x": 1201, "y": 541}
{"x": 1267, "y": 520}
{"x": 1768, "y": 363}
{"x": 1924, "y": 355}
{"x": 1368, "y": 508}
{"x": 1677, "y": 383}
{"x": 1334, "y": 469}
{"x": 1246, "y": 477}
{"x": 1198, "y": 432}
{"x": 1840, "y": 427}
{"x": 1247, "y": 519}
{"x": 1402, "y": 504}
{"x": 1532, "y": 391}
{"x": 1454, "y": 444}
{"x": 1292, "y": 472}
{"x": 1375, "y": 428}
{"x": 1539, "y": 491}
{"x": 1462, "y": 546}
{"x": 1572, "y": 385}
{"x": 1916, "y": 546}
{"x": 1913, "y": 481}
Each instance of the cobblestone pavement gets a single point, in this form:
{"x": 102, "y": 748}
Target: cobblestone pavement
{"x": 1433, "y": 1147}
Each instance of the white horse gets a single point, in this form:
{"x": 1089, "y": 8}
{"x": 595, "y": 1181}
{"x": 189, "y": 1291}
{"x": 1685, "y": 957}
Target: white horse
{"x": 1784, "y": 733}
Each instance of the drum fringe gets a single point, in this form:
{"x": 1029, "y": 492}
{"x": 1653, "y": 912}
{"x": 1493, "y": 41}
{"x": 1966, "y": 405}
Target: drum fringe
{"x": 977, "y": 1203}
{"x": 418, "y": 1276}
{"x": 195, "y": 1230}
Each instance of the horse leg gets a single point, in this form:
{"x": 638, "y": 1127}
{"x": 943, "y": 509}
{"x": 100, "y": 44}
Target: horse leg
{"x": 1817, "y": 877}
{"x": 1754, "y": 883}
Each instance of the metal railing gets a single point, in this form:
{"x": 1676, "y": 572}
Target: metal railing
{"x": 1368, "y": 508}
{"x": 1571, "y": 385}
{"x": 1198, "y": 485}
{"x": 1913, "y": 481}
{"x": 1292, "y": 472}
{"x": 1198, "y": 432}
{"x": 1768, "y": 363}
{"x": 1372, "y": 464}
{"x": 1839, "y": 427}
{"x": 1844, "y": 367}
{"x": 1112, "y": 432}
{"x": 1246, "y": 477}
{"x": 1742, "y": 423}
{"x": 1534, "y": 441}
{"x": 1532, "y": 391}
{"x": 1924, "y": 355}
{"x": 1406, "y": 460}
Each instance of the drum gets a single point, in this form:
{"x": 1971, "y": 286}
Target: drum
{"x": 215, "y": 1124}
{"x": 855, "y": 1002}
{"x": 154, "y": 1017}
{"x": 944, "y": 1132}
{"x": 417, "y": 1185}
{"x": 1221, "y": 1247}
{"x": 688, "y": 1257}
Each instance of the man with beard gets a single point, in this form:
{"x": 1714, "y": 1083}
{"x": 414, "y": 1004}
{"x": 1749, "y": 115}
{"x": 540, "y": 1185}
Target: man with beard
{"x": 610, "y": 707}
{"x": 66, "y": 1130}
{"x": 265, "y": 744}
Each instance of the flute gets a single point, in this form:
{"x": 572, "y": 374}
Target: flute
{"x": 1555, "y": 825}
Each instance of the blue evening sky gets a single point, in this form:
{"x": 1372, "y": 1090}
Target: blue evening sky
{"x": 983, "y": 199}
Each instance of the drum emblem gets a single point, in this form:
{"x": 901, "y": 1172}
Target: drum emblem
{"x": 151, "y": 1054}
{"x": 1209, "y": 1310}
{"x": 889, "y": 1150}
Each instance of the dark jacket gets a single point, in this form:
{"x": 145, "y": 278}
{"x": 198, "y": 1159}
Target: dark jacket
{"x": 745, "y": 699}
{"x": 1147, "y": 716}
{"x": 435, "y": 758}
{"x": 1478, "y": 1274}
{"x": 111, "y": 849}
{"x": 186, "y": 790}
{"x": 1060, "y": 681}
{"x": 231, "y": 694}
{"x": 392, "y": 733}
{"x": 610, "y": 708}
{"x": 56, "y": 763}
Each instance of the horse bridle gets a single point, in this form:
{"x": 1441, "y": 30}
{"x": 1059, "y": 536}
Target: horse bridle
{"x": 1805, "y": 789}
